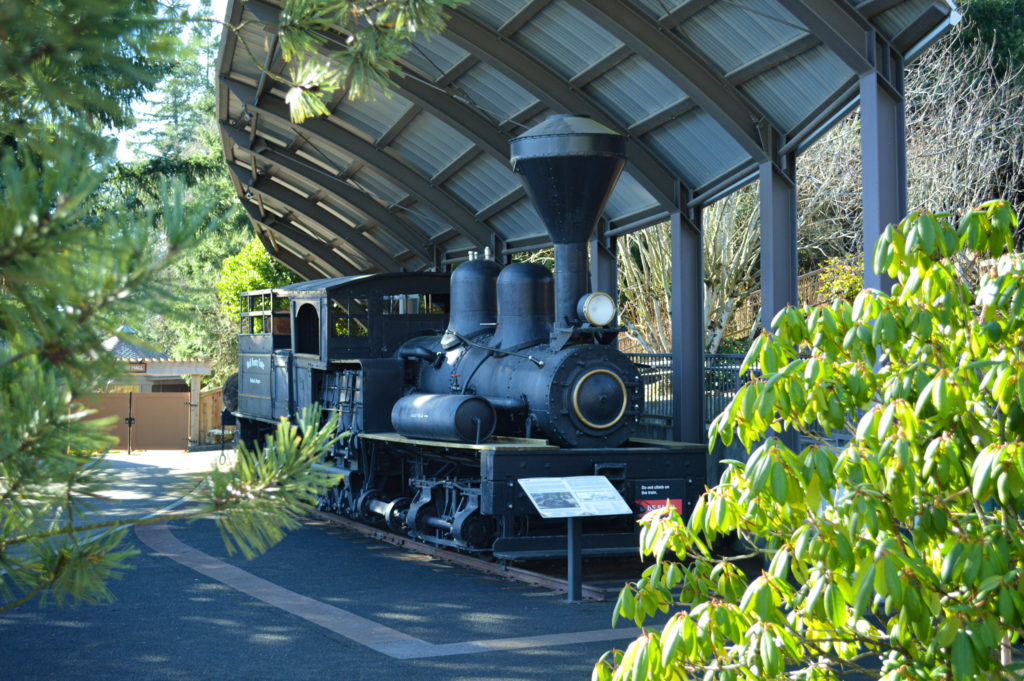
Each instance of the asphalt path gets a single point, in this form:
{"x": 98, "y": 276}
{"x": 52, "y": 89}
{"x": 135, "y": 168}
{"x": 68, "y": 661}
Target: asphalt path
{"x": 323, "y": 604}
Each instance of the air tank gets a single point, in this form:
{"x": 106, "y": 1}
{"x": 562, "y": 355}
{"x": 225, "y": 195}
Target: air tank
{"x": 456, "y": 418}
{"x": 524, "y": 306}
{"x": 474, "y": 306}
{"x": 569, "y": 166}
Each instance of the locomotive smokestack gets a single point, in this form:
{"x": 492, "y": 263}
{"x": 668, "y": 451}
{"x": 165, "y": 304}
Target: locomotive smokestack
{"x": 569, "y": 165}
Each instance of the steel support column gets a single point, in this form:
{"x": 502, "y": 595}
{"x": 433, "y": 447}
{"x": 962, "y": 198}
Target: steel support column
{"x": 883, "y": 139}
{"x": 603, "y": 271}
{"x": 777, "y": 190}
{"x": 687, "y": 328}
{"x": 778, "y": 237}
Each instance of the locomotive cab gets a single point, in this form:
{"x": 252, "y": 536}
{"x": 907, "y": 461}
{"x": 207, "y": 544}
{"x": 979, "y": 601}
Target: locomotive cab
{"x": 298, "y": 340}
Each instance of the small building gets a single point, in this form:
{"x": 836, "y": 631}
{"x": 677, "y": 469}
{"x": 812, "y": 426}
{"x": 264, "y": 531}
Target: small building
{"x": 156, "y": 402}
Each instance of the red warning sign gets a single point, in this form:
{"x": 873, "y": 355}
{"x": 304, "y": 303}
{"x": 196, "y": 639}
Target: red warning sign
{"x": 649, "y": 505}
{"x": 652, "y": 494}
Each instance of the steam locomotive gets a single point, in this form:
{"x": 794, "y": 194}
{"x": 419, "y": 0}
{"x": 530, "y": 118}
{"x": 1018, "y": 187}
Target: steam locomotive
{"x": 452, "y": 388}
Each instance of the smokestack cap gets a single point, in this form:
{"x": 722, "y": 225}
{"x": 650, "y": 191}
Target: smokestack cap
{"x": 567, "y": 135}
{"x": 569, "y": 165}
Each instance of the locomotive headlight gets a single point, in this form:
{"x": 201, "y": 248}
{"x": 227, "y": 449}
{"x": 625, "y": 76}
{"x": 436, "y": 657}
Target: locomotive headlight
{"x": 597, "y": 308}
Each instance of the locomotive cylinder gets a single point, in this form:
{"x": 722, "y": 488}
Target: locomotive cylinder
{"x": 456, "y": 418}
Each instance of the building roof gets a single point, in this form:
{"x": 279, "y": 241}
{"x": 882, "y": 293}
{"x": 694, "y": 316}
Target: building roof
{"x": 129, "y": 351}
{"x": 148, "y": 361}
{"x": 706, "y": 90}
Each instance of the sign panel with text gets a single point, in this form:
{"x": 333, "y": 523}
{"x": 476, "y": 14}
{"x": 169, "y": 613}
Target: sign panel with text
{"x": 584, "y": 495}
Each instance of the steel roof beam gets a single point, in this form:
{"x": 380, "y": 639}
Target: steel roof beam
{"x": 737, "y": 77}
{"x": 328, "y": 257}
{"x": 268, "y": 71}
{"x": 290, "y": 260}
{"x": 708, "y": 89}
{"x": 456, "y": 70}
{"x": 410, "y": 237}
{"x": 457, "y": 164}
{"x": 449, "y": 107}
{"x": 685, "y": 11}
{"x": 308, "y": 209}
{"x": 464, "y": 117}
{"x": 398, "y": 126}
{"x": 315, "y": 249}
{"x": 840, "y": 27}
{"x": 766, "y": 62}
{"x": 526, "y": 113}
{"x": 522, "y": 17}
{"x": 229, "y": 39}
{"x": 501, "y": 203}
{"x": 353, "y": 145}
{"x": 661, "y": 117}
{"x": 601, "y": 66}
{"x": 872, "y": 8}
{"x": 554, "y": 91}
{"x": 920, "y": 27}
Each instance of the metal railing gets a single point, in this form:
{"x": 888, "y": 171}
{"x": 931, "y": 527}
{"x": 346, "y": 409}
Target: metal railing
{"x": 721, "y": 382}
{"x": 656, "y": 375}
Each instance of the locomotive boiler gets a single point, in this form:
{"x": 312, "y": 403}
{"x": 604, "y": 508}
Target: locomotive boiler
{"x": 451, "y": 389}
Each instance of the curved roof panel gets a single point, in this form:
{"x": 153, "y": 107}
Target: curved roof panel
{"x": 705, "y": 90}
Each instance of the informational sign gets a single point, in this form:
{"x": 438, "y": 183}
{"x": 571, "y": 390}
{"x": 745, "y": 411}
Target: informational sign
{"x": 652, "y": 494}
{"x": 584, "y": 495}
{"x": 136, "y": 367}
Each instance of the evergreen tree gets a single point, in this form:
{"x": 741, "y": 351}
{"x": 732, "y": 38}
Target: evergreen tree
{"x": 74, "y": 263}
{"x": 999, "y": 23}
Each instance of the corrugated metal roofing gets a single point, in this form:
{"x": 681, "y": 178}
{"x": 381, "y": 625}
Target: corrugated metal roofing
{"x": 430, "y": 144}
{"x": 417, "y": 178}
{"x": 566, "y": 39}
{"x": 617, "y": 90}
{"x": 731, "y": 34}
{"x": 499, "y": 96}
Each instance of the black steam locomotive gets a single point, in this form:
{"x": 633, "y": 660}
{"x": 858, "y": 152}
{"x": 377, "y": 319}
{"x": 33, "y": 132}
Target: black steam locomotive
{"x": 452, "y": 388}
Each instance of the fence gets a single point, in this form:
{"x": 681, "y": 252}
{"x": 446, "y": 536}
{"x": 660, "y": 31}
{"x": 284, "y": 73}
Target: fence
{"x": 656, "y": 376}
{"x": 210, "y": 405}
{"x": 721, "y": 382}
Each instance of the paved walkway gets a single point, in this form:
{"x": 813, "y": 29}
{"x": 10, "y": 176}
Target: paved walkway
{"x": 323, "y": 604}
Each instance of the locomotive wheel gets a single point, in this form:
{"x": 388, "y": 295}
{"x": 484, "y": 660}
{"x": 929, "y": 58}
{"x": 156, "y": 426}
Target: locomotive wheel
{"x": 363, "y": 504}
{"x": 395, "y": 514}
{"x": 473, "y": 530}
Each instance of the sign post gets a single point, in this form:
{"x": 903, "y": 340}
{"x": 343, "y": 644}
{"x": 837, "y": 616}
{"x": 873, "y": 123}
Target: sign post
{"x": 573, "y": 499}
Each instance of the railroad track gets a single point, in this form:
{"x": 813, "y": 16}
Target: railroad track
{"x": 603, "y": 570}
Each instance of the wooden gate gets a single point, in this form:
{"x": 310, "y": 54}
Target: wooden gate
{"x": 161, "y": 419}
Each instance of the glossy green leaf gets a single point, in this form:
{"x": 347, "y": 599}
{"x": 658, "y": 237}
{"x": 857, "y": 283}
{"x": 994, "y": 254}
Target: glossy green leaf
{"x": 962, "y": 657}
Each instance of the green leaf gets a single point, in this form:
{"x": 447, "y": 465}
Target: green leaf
{"x": 881, "y": 256}
{"x": 973, "y": 561}
{"x": 865, "y": 588}
{"x": 962, "y": 657}
{"x": 951, "y": 562}
{"x": 763, "y": 601}
{"x": 780, "y": 483}
{"x": 892, "y": 579}
{"x": 771, "y": 657}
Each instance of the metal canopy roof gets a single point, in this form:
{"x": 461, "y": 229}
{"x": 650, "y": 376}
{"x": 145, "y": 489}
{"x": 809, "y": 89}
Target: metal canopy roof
{"x": 705, "y": 89}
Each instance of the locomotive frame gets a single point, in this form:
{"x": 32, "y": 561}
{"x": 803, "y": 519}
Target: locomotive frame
{"x": 421, "y": 368}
